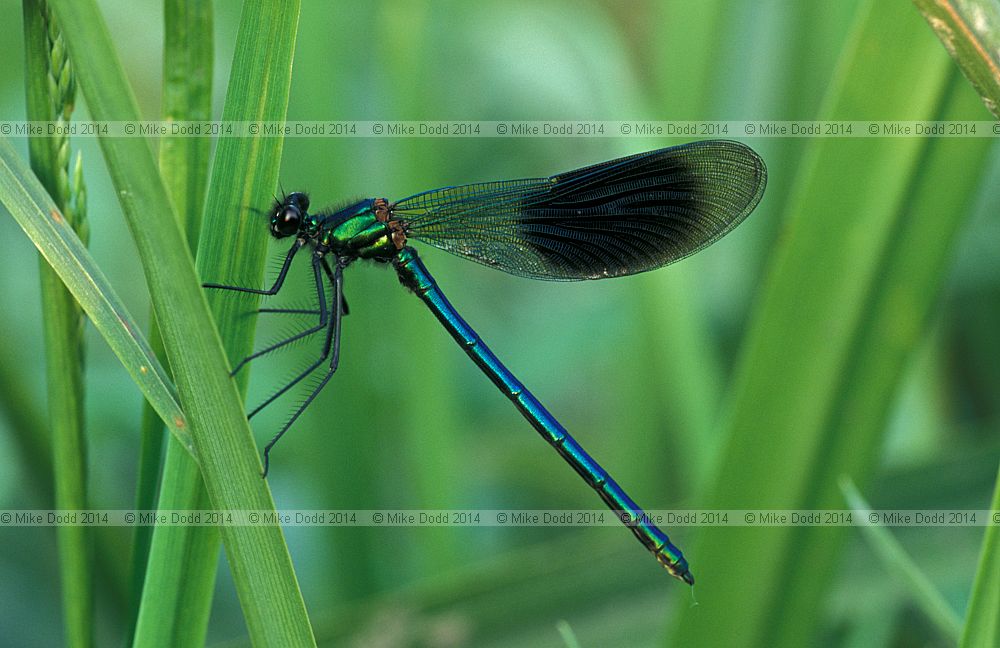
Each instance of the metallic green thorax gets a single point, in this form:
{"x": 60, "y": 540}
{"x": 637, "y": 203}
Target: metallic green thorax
{"x": 356, "y": 231}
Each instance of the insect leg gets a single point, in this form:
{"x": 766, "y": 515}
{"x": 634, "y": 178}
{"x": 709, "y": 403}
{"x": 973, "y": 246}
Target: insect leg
{"x": 338, "y": 301}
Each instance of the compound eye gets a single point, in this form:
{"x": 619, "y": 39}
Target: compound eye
{"x": 300, "y": 199}
{"x": 286, "y": 221}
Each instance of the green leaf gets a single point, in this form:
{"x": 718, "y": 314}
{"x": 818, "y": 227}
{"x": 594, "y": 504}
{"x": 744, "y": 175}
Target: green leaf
{"x": 30, "y": 205}
{"x": 970, "y": 31}
{"x": 181, "y": 576}
{"x": 230, "y": 466}
{"x": 982, "y": 621}
{"x": 826, "y": 349}
{"x": 187, "y": 96}
{"x": 183, "y": 560}
{"x": 899, "y": 563}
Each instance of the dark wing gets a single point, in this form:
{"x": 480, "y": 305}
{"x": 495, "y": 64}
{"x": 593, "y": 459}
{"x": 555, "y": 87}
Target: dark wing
{"x": 611, "y": 219}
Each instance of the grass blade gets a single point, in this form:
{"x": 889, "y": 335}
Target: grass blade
{"x": 970, "y": 31}
{"x": 187, "y": 96}
{"x": 230, "y": 466}
{"x": 30, "y": 205}
{"x": 183, "y": 560}
{"x": 898, "y": 562}
{"x": 258, "y": 89}
{"x": 982, "y": 621}
{"x": 182, "y": 595}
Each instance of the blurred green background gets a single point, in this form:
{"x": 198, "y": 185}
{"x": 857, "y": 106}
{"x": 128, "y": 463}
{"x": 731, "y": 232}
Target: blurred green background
{"x": 676, "y": 381}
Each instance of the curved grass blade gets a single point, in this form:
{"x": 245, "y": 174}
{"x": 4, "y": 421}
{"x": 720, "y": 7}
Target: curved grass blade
{"x": 970, "y": 31}
{"x": 897, "y": 561}
{"x": 30, "y": 205}
{"x": 230, "y": 465}
{"x": 982, "y": 620}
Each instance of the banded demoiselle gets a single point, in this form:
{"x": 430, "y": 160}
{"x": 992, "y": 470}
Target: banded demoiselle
{"x": 611, "y": 219}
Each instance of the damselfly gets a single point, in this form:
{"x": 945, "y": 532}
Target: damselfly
{"x": 611, "y": 219}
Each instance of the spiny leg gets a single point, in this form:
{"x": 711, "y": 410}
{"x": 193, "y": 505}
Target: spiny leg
{"x": 323, "y": 315}
{"x": 273, "y": 290}
{"x": 326, "y": 346}
{"x": 297, "y": 379}
{"x": 309, "y": 311}
{"x": 290, "y": 311}
{"x": 337, "y": 276}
